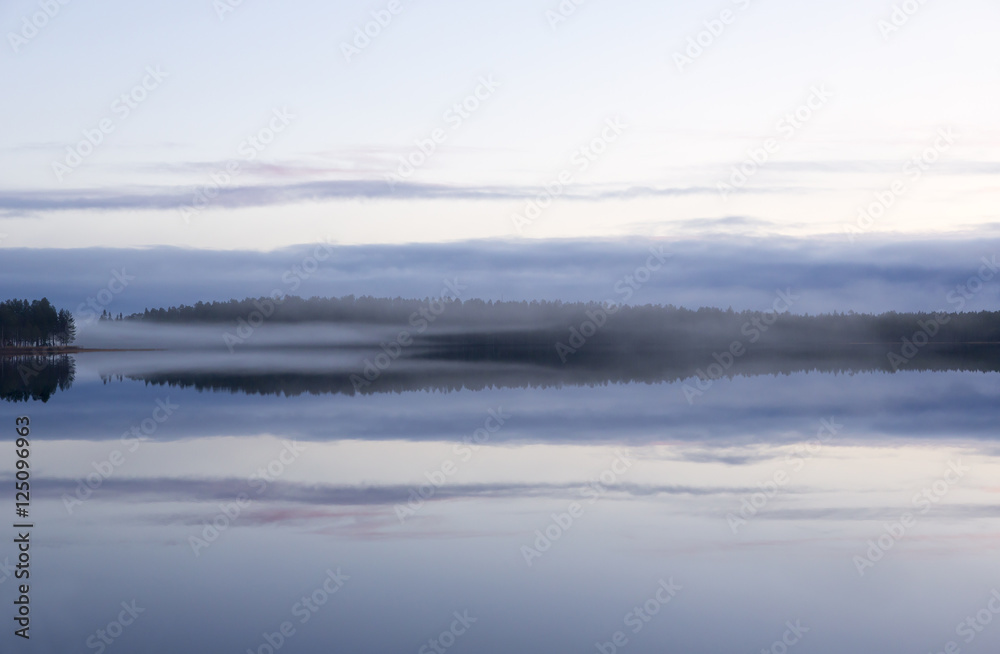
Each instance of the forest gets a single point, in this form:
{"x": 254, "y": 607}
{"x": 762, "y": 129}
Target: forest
{"x": 34, "y": 324}
{"x": 654, "y": 326}
{"x": 533, "y": 343}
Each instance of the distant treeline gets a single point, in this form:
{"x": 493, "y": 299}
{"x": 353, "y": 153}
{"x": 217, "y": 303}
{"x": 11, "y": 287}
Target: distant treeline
{"x": 349, "y": 309}
{"x": 633, "y": 325}
{"x": 34, "y": 324}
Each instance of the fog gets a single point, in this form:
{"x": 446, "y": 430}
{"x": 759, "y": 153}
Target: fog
{"x": 871, "y": 273}
{"x": 148, "y": 335}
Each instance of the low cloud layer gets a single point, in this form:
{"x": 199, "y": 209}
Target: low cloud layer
{"x": 833, "y": 274}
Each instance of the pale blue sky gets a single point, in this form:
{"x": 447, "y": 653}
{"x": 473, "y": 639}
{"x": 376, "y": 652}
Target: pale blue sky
{"x": 325, "y": 172}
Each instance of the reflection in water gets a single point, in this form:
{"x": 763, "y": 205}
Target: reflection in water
{"x": 483, "y": 365}
{"x": 24, "y": 378}
{"x": 430, "y": 505}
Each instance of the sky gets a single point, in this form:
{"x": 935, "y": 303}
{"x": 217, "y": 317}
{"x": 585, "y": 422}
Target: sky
{"x": 835, "y": 156}
{"x": 959, "y": 273}
{"x": 258, "y": 126}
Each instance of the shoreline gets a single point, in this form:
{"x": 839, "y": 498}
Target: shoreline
{"x": 52, "y": 350}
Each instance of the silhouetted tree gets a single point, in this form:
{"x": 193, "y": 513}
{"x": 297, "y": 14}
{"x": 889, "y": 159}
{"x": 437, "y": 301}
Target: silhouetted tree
{"x": 34, "y": 324}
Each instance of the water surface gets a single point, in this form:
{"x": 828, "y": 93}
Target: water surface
{"x": 548, "y": 509}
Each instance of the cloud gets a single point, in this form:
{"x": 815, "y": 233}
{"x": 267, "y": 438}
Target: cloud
{"x": 144, "y": 198}
{"x": 881, "y": 513}
{"x": 169, "y": 489}
{"x": 375, "y": 164}
{"x": 745, "y": 272}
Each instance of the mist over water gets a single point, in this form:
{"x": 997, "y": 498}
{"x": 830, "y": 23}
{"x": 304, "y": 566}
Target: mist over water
{"x": 534, "y": 327}
{"x": 471, "y": 467}
{"x": 582, "y": 476}
{"x": 681, "y": 457}
{"x": 136, "y": 335}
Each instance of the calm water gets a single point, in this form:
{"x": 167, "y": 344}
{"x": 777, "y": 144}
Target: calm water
{"x": 839, "y": 512}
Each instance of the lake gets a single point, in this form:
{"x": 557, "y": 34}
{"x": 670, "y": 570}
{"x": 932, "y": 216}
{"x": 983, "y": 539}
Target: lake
{"x": 248, "y": 503}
